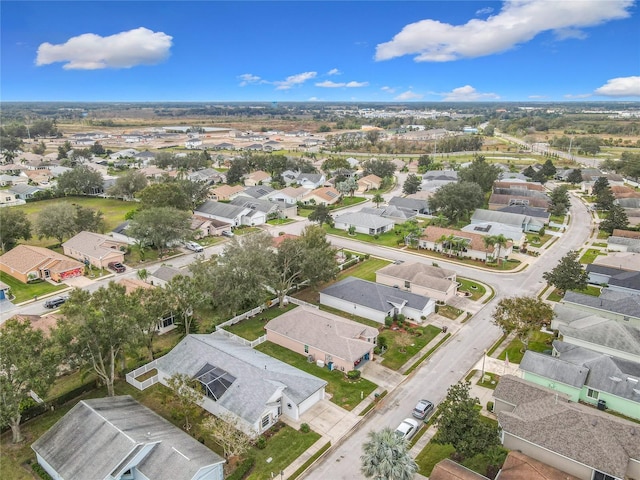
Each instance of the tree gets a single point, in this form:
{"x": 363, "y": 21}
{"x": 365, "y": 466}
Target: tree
{"x": 386, "y": 457}
{"x": 64, "y": 149}
{"x": 321, "y": 214}
{"x": 425, "y": 163}
{"x": 575, "y": 176}
{"x": 480, "y": 172}
{"x": 237, "y": 169}
{"x": 548, "y": 169}
{"x": 9, "y": 145}
{"x": 88, "y": 219}
{"x": 148, "y": 307}
{"x": 377, "y": 199}
{"x": 559, "y": 201}
{"x": 373, "y": 136}
{"x": 600, "y": 185}
{"x": 184, "y": 297}
{"x": 605, "y": 199}
{"x": 80, "y": 180}
{"x": 460, "y": 423}
{"x": 14, "y": 225}
{"x": 380, "y": 167}
{"x": 39, "y": 148}
{"x": 333, "y": 164}
{"x": 57, "y": 221}
{"x": 457, "y": 200}
{"x": 411, "y": 184}
{"x": 522, "y": 315}
{"x": 160, "y": 195}
{"x": 97, "y": 149}
{"x": 187, "y": 392}
{"x": 160, "y": 227}
{"x": 27, "y": 363}
{"x": 499, "y": 241}
{"x": 616, "y": 219}
{"x": 319, "y": 264}
{"x": 568, "y": 274}
{"x": 96, "y": 329}
{"x": 348, "y": 186}
{"x": 226, "y": 431}
{"x": 127, "y": 185}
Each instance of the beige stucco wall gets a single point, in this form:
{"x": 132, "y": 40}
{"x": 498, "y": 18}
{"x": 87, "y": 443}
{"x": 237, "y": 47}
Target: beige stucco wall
{"x": 417, "y": 289}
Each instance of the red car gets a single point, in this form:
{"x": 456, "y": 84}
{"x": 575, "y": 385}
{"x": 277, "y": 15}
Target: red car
{"x": 116, "y": 267}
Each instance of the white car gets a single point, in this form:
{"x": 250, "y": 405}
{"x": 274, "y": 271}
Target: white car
{"x": 194, "y": 247}
{"x": 407, "y": 428}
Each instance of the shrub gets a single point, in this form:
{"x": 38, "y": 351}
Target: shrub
{"x": 42, "y": 473}
{"x": 388, "y": 321}
{"x": 376, "y": 236}
{"x": 366, "y": 256}
{"x": 490, "y": 406}
{"x": 243, "y": 469}
{"x": 261, "y": 442}
{"x": 353, "y": 374}
{"x": 382, "y": 341}
{"x": 400, "y": 318}
{"x": 304, "y": 428}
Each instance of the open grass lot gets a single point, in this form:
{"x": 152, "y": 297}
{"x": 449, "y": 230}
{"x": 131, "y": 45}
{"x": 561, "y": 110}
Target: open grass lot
{"x": 477, "y": 291}
{"x": 590, "y": 255}
{"x": 365, "y": 270}
{"x": 26, "y": 291}
{"x": 344, "y": 393}
{"x": 388, "y": 239}
{"x": 253, "y": 328}
{"x": 113, "y": 212}
{"x": 539, "y": 343}
{"x": 402, "y": 345}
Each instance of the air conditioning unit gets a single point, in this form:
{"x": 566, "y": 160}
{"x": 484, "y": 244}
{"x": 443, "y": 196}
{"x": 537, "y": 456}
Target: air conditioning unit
{"x": 310, "y": 358}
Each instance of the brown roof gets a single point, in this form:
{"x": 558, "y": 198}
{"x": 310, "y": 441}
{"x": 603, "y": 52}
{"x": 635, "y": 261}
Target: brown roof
{"x": 132, "y": 284}
{"x": 432, "y": 234}
{"x": 258, "y": 175}
{"x": 281, "y": 238}
{"x": 329, "y": 194}
{"x": 370, "y": 179}
{"x": 27, "y": 258}
{"x": 625, "y": 233}
{"x": 524, "y": 185}
{"x": 45, "y": 322}
{"x": 449, "y": 470}
{"x": 500, "y": 199}
{"x": 226, "y": 190}
{"x": 420, "y": 274}
{"x": 519, "y": 466}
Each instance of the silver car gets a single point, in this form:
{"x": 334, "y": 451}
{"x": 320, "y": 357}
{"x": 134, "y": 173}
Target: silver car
{"x": 407, "y": 428}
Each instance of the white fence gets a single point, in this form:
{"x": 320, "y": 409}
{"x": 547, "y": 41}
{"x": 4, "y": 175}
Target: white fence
{"x": 239, "y": 318}
{"x": 243, "y": 341}
{"x": 132, "y": 376}
{"x": 295, "y": 301}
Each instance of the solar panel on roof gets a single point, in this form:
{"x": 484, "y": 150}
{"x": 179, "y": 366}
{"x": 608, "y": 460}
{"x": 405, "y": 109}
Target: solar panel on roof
{"x": 331, "y": 195}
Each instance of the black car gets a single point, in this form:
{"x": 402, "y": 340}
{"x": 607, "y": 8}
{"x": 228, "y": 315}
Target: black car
{"x": 116, "y": 267}
{"x": 54, "y": 302}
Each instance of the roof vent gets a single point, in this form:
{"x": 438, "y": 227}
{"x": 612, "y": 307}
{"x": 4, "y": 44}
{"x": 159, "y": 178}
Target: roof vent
{"x": 594, "y": 422}
{"x": 634, "y": 380}
{"x": 615, "y": 379}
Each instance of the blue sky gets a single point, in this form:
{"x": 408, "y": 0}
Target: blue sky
{"x": 525, "y": 50}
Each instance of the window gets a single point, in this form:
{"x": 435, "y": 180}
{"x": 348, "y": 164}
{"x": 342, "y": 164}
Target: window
{"x": 306, "y": 349}
{"x": 407, "y": 284}
{"x": 592, "y": 393}
{"x": 265, "y": 421}
{"x": 602, "y": 476}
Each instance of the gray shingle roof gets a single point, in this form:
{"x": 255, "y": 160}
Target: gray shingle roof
{"x": 166, "y": 273}
{"x": 410, "y": 203}
{"x": 258, "y": 376}
{"x": 219, "y": 209}
{"x": 97, "y": 435}
{"x": 524, "y": 210}
{"x": 374, "y": 295}
{"x": 332, "y": 334}
{"x": 365, "y": 220}
{"x": 259, "y": 191}
{"x": 617, "y": 302}
{"x": 578, "y": 432}
{"x": 420, "y": 274}
{"x": 554, "y": 368}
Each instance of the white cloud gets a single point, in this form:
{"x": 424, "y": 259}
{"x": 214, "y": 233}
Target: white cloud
{"x": 537, "y": 97}
{"x": 89, "y": 51}
{"x": 620, "y": 87}
{"x": 388, "y": 89}
{"x": 577, "y": 95}
{"x": 330, "y": 84}
{"x": 293, "y": 80}
{"x": 517, "y": 22}
{"x": 409, "y": 95}
{"x": 467, "y": 94}
{"x": 248, "y": 78}
{"x": 484, "y": 11}
{"x": 334, "y": 71}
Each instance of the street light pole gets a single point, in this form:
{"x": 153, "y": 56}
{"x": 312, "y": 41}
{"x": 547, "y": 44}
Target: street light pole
{"x": 484, "y": 355}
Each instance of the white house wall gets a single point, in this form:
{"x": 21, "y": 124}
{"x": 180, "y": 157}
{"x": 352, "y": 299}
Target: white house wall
{"x": 48, "y": 468}
{"x": 352, "y": 308}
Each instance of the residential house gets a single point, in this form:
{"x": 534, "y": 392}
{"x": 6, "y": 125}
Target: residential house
{"x": 629, "y": 260}
{"x": 375, "y": 301}
{"x": 505, "y": 198}
{"x": 127, "y": 153}
{"x": 322, "y": 196}
{"x": 397, "y": 214}
{"x": 617, "y": 279}
{"x": 26, "y": 262}
{"x": 119, "y": 234}
{"x": 23, "y": 191}
{"x": 207, "y": 227}
{"x": 588, "y": 329}
{"x": 574, "y": 438}
{"x": 518, "y": 185}
{"x": 624, "y": 241}
{"x": 369, "y": 182}
{"x": 95, "y": 249}
{"x": 539, "y": 213}
{"x": 144, "y": 158}
{"x": 288, "y": 195}
{"x": 258, "y": 192}
{"x": 514, "y": 234}
{"x": 9, "y": 180}
{"x": 258, "y": 177}
{"x": 165, "y": 274}
{"x": 254, "y": 388}
{"x": 8, "y": 199}
{"x": 206, "y": 175}
{"x": 462, "y": 244}
{"x": 120, "y": 439}
{"x": 42, "y": 177}
{"x": 619, "y": 306}
{"x": 419, "y": 278}
{"x": 447, "y": 469}
{"x": 367, "y": 223}
{"x": 311, "y": 180}
{"x": 269, "y": 209}
{"x": 224, "y": 212}
{"x": 225, "y": 192}
{"x": 518, "y": 466}
{"x": 526, "y": 223}
{"x": 193, "y": 143}
{"x": 417, "y": 205}
{"x": 338, "y": 343}
{"x": 434, "y": 179}
{"x": 587, "y": 376}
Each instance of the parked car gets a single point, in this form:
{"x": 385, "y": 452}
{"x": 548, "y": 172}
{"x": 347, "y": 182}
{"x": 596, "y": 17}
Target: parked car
{"x": 194, "y": 247}
{"x": 423, "y": 409}
{"x": 116, "y": 267}
{"x": 54, "y": 302}
{"x": 227, "y": 233}
{"x": 407, "y": 428}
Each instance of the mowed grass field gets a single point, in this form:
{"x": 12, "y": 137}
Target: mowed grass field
{"x": 113, "y": 213}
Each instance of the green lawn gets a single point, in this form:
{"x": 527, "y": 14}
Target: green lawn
{"x": 344, "y": 393}
{"x": 402, "y": 346}
{"x": 365, "y": 270}
{"x": 113, "y": 212}
{"x": 282, "y": 448}
{"x": 388, "y": 239}
{"x": 477, "y": 290}
{"x": 555, "y": 296}
{"x": 603, "y": 235}
{"x": 431, "y": 454}
{"x": 355, "y": 318}
{"x": 536, "y": 240}
{"x": 590, "y": 255}
{"x": 348, "y": 201}
{"x": 304, "y": 212}
{"x": 493, "y": 377}
{"x": 449, "y": 311}
{"x": 26, "y": 291}
{"x": 280, "y": 221}
{"x": 539, "y": 343}
{"x": 253, "y": 328}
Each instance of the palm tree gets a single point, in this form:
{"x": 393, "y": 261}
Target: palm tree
{"x": 501, "y": 242}
{"x": 377, "y": 199}
{"x": 489, "y": 241}
{"x": 386, "y": 457}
